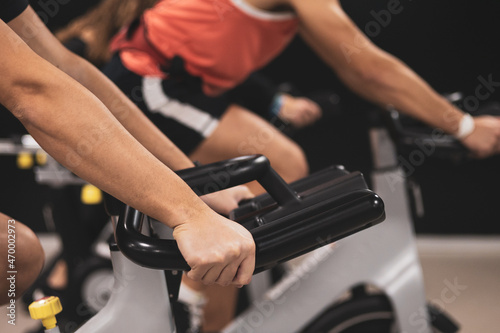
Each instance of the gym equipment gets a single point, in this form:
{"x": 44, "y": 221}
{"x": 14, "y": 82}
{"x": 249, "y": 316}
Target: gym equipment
{"x": 368, "y": 282}
{"x": 73, "y": 209}
{"x": 46, "y": 309}
{"x": 286, "y": 222}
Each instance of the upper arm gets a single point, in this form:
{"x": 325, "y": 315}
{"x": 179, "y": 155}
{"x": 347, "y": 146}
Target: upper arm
{"x": 336, "y": 39}
{"x": 34, "y": 33}
{"x": 22, "y": 71}
{"x": 16, "y": 58}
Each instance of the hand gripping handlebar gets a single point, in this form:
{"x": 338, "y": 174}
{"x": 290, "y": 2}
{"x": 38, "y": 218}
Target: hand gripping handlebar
{"x": 286, "y": 222}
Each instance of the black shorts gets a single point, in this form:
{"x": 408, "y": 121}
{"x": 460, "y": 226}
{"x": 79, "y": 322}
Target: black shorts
{"x": 177, "y": 105}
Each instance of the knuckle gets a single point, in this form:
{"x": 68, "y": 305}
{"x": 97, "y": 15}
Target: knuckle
{"x": 217, "y": 258}
{"x": 199, "y": 261}
{"x": 235, "y": 251}
{"x": 249, "y": 246}
{"x": 232, "y": 251}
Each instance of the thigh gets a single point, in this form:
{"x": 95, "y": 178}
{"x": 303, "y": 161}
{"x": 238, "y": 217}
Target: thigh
{"x": 241, "y": 132}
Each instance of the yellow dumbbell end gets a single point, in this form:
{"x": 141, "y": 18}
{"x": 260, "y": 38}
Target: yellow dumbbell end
{"x": 25, "y": 160}
{"x": 91, "y": 195}
{"x": 46, "y": 310}
{"x": 41, "y": 157}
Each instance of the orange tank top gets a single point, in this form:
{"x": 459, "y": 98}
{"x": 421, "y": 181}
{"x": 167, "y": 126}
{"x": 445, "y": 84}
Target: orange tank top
{"x": 220, "y": 41}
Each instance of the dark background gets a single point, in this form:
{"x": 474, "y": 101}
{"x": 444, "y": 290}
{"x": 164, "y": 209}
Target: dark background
{"x": 449, "y": 43}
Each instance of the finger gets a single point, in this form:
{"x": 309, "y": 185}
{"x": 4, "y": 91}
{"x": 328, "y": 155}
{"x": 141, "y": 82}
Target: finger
{"x": 317, "y": 113}
{"x": 312, "y": 112}
{"x": 245, "y": 271}
{"x": 227, "y": 275}
{"x": 197, "y": 273}
{"x": 309, "y": 118}
{"x": 313, "y": 106}
{"x": 211, "y": 275}
{"x": 245, "y": 193}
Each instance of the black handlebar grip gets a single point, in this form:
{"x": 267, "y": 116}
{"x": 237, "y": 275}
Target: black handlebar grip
{"x": 274, "y": 243}
{"x": 203, "y": 180}
{"x": 221, "y": 175}
{"x": 149, "y": 252}
{"x": 316, "y": 221}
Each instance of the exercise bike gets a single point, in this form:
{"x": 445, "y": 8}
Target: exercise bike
{"x": 287, "y": 222}
{"x": 72, "y": 205}
{"x": 368, "y": 282}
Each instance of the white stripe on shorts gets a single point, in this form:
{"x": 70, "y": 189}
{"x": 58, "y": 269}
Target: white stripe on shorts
{"x": 157, "y": 102}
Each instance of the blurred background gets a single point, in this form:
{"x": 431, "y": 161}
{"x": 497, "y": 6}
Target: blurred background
{"x": 449, "y": 43}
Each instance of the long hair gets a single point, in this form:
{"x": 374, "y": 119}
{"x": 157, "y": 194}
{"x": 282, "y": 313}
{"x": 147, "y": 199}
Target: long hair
{"x": 100, "y": 24}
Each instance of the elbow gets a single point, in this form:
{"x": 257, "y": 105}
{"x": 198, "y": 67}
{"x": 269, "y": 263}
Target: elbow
{"x": 26, "y": 97}
{"x": 19, "y": 100}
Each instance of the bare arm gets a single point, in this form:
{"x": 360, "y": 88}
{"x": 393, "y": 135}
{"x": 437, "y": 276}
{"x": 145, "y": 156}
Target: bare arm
{"x": 382, "y": 78}
{"x": 74, "y": 127}
{"x": 40, "y": 39}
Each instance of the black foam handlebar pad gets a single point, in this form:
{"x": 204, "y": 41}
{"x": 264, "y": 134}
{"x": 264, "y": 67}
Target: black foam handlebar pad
{"x": 317, "y": 210}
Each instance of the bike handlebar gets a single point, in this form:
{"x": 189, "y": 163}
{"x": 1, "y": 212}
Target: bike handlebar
{"x": 293, "y": 225}
{"x": 410, "y": 134}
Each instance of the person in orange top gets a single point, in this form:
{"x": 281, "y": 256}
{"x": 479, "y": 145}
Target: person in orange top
{"x": 180, "y": 58}
{"x": 211, "y": 46}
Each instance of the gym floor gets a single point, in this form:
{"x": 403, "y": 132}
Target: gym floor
{"x": 462, "y": 276}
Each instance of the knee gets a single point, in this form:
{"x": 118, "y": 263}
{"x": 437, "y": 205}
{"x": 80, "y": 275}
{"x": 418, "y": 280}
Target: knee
{"x": 29, "y": 256}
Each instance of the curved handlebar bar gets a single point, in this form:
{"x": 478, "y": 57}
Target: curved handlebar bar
{"x": 292, "y": 226}
{"x": 410, "y": 134}
{"x": 221, "y": 175}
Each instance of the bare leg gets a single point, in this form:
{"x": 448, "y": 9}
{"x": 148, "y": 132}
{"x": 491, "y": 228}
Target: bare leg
{"x": 29, "y": 257}
{"x": 220, "y": 308}
{"x": 241, "y": 132}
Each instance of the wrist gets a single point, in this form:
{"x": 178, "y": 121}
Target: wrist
{"x": 185, "y": 208}
{"x": 465, "y": 127}
{"x": 276, "y": 105}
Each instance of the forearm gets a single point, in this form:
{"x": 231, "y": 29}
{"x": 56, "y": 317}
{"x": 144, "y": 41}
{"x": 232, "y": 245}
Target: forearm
{"x": 127, "y": 113}
{"x": 391, "y": 84}
{"x": 368, "y": 70}
{"x": 48, "y": 47}
{"x": 76, "y": 129}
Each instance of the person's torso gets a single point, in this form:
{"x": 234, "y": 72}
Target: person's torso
{"x": 220, "y": 41}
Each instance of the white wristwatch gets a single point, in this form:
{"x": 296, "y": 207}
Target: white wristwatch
{"x": 465, "y": 127}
